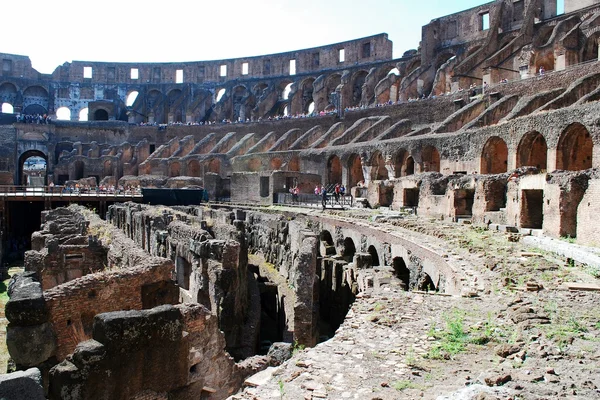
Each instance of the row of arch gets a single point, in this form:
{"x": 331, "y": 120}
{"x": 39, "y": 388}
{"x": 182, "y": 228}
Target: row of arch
{"x": 573, "y": 153}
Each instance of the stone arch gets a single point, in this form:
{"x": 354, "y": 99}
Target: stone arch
{"x": 22, "y": 180}
{"x": 413, "y": 65}
{"x": 327, "y": 246}
{"x": 8, "y": 93}
{"x": 239, "y": 96}
{"x": 154, "y": 99}
{"x": 284, "y": 89}
{"x": 78, "y": 170}
{"x": 254, "y": 164}
{"x": 374, "y": 256}
{"x": 7, "y": 108}
{"x": 425, "y": 283}
{"x": 294, "y": 164}
{"x": 355, "y": 171}
{"x": 307, "y": 89}
{"x": 400, "y": 163}
{"x": 175, "y": 169}
{"x": 331, "y": 83}
{"x": 176, "y": 107}
{"x": 131, "y": 97}
{"x": 214, "y": 166}
{"x": 107, "y": 168}
{"x": 589, "y": 51}
{"x": 63, "y": 113}
{"x": 276, "y": 163}
{"x": 430, "y": 159}
{"x": 259, "y": 89}
{"x": 348, "y": 250}
{"x": 358, "y": 80}
{"x": 401, "y": 272}
{"x": 442, "y": 58}
{"x": 532, "y": 151}
{"x": 194, "y": 169}
{"x": 334, "y": 170}
{"x": 378, "y": 170}
{"x": 494, "y": 157}
{"x": 35, "y": 100}
{"x": 575, "y": 148}
{"x": 101, "y": 115}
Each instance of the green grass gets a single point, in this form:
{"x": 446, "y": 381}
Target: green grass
{"x": 405, "y": 384}
{"x": 450, "y": 341}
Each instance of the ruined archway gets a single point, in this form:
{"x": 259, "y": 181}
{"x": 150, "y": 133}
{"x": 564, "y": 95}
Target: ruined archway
{"x": 8, "y": 93}
{"x": 348, "y": 250}
{"x": 175, "y": 169}
{"x": 327, "y": 247}
{"x": 101, "y": 115}
{"x": 294, "y": 164}
{"x": 430, "y": 157}
{"x": 409, "y": 166}
{"x": 358, "y": 80}
{"x": 355, "y": 172}
{"x": 276, "y": 163}
{"x": 35, "y": 100}
{"x": 334, "y": 170}
{"x": 400, "y": 163}
{"x": 63, "y": 114}
{"x": 378, "y": 170}
{"x": 574, "y": 150}
{"x": 401, "y": 272}
{"x": 374, "y": 256}
{"x": 214, "y": 166}
{"x": 532, "y": 151}
{"x": 7, "y": 108}
{"x": 194, "y": 169}
{"x": 494, "y": 158}
{"x": 32, "y": 168}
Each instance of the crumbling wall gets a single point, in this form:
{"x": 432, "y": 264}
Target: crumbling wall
{"x": 166, "y": 352}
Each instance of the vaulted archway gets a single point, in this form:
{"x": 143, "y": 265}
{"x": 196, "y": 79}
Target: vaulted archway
{"x": 494, "y": 157}
{"x": 532, "y": 151}
{"x": 575, "y": 148}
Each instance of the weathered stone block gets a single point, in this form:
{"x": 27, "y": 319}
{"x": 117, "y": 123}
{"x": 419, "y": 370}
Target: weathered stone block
{"x": 30, "y": 345}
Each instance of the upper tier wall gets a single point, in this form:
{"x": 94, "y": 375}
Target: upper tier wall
{"x": 355, "y": 52}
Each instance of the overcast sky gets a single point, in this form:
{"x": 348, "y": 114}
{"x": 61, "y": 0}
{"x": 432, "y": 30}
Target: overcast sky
{"x": 51, "y": 33}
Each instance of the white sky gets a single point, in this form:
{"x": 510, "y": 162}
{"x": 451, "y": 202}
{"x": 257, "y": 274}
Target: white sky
{"x": 51, "y": 33}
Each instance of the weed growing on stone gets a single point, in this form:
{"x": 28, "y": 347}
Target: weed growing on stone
{"x": 296, "y": 347}
{"x": 405, "y": 384}
{"x": 281, "y": 389}
{"x": 451, "y": 340}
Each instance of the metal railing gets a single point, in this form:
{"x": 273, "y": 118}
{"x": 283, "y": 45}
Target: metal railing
{"x": 63, "y": 191}
{"x": 313, "y": 200}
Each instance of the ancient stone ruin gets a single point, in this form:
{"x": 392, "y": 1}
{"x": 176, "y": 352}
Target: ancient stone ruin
{"x": 457, "y": 159}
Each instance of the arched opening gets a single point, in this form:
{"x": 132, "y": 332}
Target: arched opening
{"x": 101, "y": 115}
{"x": 83, "y": 114}
{"x": 400, "y": 163}
{"x": 239, "y": 99}
{"x": 214, "y": 166}
{"x": 431, "y": 159}
{"x": 294, "y": 164}
{"x": 131, "y": 97}
{"x": 175, "y": 169}
{"x": 7, "y": 108}
{"x": 394, "y": 71}
{"x": 276, "y": 164}
{"x": 358, "y": 82}
{"x": 193, "y": 168}
{"x": 355, "y": 172}
{"x": 410, "y": 166}
{"x": 349, "y": 250}
{"x": 401, "y": 272}
{"x": 254, "y": 164}
{"x": 311, "y": 107}
{"x": 220, "y": 94}
{"x": 286, "y": 91}
{"x": 78, "y": 170}
{"x": 378, "y": 170}
{"x": 32, "y": 168}
{"x": 107, "y": 170}
{"x": 327, "y": 247}
{"x": 590, "y": 49}
{"x": 494, "y": 158}
{"x": 286, "y": 111}
{"x": 8, "y": 93}
{"x": 331, "y": 83}
{"x": 532, "y": 151}
{"x": 374, "y": 256}
{"x": 63, "y": 114}
{"x": 575, "y": 147}
{"x": 334, "y": 170}
{"x": 38, "y": 100}
{"x": 425, "y": 283}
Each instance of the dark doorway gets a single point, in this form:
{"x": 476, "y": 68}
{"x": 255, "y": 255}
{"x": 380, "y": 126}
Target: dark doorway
{"x": 411, "y": 197}
{"x": 532, "y": 209}
{"x": 374, "y": 256}
{"x": 23, "y": 218}
{"x": 402, "y": 272}
{"x": 463, "y": 202}
{"x": 101, "y": 115}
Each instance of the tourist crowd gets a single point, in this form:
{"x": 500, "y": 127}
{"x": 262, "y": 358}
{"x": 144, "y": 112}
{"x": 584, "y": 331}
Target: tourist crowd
{"x": 33, "y": 119}
{"x": 102, "y": 189}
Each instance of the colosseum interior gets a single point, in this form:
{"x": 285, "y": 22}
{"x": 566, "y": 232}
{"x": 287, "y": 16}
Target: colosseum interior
{"x": 462, "y": 261}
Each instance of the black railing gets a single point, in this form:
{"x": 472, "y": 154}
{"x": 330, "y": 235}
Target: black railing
{"x": 10, "y": 190}
{"x": 313, "y": 200}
